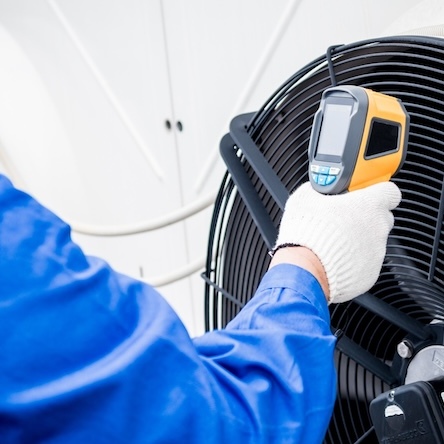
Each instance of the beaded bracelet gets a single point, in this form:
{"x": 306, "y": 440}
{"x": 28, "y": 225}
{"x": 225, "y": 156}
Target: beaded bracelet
{"x": 272, "y": 252}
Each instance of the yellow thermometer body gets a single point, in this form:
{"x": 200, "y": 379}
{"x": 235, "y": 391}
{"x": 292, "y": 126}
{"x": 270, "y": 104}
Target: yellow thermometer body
{"x": 358, "y": 138}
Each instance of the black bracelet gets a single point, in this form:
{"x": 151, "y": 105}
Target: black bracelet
{"x": 272, "y": 252}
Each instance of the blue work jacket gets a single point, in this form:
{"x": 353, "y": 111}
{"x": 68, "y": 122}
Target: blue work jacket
{"x": 88, "y": 355}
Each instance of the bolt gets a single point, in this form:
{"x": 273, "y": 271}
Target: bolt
{"x": 391, "y": 396}
{"x": 405, "y": 349}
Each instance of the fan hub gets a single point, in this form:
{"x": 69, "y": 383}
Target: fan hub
{"x": 426, "y": 365}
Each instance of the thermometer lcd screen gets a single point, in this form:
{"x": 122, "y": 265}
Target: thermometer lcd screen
{"x": 334, "y": 129}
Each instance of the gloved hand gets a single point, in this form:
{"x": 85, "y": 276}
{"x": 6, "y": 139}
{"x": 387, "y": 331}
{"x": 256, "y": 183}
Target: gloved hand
{"x": 347, "y": 232}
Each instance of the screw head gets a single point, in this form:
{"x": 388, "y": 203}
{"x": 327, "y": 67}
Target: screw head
{"x": 391, "y": 396}
{"x": 405, "y": 349}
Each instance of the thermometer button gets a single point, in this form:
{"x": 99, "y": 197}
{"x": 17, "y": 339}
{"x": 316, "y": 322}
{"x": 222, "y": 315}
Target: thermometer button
{"x": 322, "y": 179}
{"x": 330, "y": 179}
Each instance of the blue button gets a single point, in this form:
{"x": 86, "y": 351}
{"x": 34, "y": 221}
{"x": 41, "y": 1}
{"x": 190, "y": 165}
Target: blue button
{"x": 315, "y": 177}
{"x": 322, "y": 179}
{"x": 330, "y": 180}
{"x": 324, "y": 170}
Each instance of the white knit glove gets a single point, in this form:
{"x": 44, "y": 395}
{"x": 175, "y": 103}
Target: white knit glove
{"x": 347, "y": 232}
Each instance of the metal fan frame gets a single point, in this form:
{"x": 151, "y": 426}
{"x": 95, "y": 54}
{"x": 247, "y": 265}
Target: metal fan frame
{"x": 239, "y": 148}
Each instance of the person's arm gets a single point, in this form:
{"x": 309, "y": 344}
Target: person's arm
{"x": 304, "y": 258}
{"x": 90, "y": 355}
{"x": 272, "y": 366}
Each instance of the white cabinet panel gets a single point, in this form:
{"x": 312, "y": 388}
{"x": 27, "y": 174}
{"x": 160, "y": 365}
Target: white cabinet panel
{"x": 107, "y": 85}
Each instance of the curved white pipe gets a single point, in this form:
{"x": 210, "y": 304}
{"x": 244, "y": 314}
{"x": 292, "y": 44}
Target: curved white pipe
{"x": 142, "y": 227}
{"x": 178, "y": 274}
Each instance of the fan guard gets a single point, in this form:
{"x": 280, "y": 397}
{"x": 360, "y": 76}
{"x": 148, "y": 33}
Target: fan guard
{"x": 408, "y": 298}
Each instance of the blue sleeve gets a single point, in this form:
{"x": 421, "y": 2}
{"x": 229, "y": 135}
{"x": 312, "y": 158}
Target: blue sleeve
{"x": 89, "y": 355}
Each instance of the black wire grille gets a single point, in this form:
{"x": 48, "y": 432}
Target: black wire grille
{"x": 410, "y": 68}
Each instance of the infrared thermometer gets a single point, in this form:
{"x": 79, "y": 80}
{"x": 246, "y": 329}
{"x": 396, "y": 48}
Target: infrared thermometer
{"x": 358, "y": 138}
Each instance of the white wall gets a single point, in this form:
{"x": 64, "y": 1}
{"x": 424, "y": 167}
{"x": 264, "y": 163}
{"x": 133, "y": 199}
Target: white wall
{"x": 87, "y": 87}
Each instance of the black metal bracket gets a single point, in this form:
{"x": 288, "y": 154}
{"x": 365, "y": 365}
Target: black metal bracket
{"x": 364, "y": 358}
{"x": 232, "y": 146}
{"x": 247, "y": 191}
{"x": 243, "y": 140}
